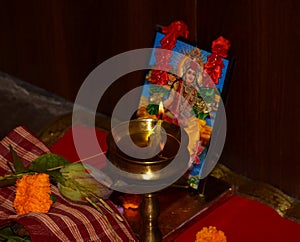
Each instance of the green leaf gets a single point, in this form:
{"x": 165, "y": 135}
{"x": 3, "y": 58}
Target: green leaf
{"x": 53, "y": 198}
{"x": 18, "y": 164}
{"x": 50, "y": 164}
{"x": 7, "y": 234}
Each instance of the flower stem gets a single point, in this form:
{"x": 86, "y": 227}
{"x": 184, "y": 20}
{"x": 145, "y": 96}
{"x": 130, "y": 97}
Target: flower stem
{"x": 9, "y": 180}
{"x": 103, "y": 215}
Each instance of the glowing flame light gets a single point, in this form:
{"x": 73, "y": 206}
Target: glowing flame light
{"x": 160, "y": 110}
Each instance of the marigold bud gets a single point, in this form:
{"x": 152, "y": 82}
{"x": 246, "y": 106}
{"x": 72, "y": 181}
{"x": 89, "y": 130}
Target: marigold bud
{"x": 77, "y": 184}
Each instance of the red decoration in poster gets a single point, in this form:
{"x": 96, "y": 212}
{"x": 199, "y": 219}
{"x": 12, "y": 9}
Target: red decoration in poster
{"x": 214, "y": 65}
{"x": 172, "y": 32}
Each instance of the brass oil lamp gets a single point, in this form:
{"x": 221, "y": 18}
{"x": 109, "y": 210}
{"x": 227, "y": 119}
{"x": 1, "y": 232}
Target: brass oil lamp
{"x": 157, "y": 171}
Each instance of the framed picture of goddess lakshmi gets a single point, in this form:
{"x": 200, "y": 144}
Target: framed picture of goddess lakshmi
{"x": 189, "y": 92}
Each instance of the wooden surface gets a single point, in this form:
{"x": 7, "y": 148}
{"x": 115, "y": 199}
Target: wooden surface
{"x": 55, "y": 44}
{"x": 176, "y": 214}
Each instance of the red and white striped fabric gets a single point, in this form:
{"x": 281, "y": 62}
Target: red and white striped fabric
{"x": 65, "y": 221}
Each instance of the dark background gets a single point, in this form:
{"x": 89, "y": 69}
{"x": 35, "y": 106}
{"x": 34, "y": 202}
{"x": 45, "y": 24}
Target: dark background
{"x": 56, "y": 44}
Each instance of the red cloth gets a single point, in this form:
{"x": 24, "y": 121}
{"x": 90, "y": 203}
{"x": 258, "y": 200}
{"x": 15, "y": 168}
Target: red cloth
{"x": 245, "y": 220}
{"x": 65, "y": 221}
{"x": 241, "y": 219}
{"x": 65, "y": 145}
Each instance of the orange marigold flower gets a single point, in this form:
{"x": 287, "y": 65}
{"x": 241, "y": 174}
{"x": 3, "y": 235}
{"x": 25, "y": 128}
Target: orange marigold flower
{"x": 210, "y": 234}
{"x": 33, "y": 194}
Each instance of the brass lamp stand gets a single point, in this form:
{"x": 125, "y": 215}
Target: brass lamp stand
{"x": 146, "y": 170}
{"x": 150, "y": 211}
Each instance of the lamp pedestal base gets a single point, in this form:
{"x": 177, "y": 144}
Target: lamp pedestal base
{"x": 150, "y": 211}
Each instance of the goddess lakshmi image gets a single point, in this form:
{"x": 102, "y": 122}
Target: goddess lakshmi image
{"x": 183, "y": 91}
{"x": 189, "y": 91}
{"x": 183, "y": 97}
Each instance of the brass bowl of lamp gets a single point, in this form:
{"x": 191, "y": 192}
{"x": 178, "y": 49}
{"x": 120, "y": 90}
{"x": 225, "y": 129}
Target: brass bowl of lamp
{"x": 138, "y": 131}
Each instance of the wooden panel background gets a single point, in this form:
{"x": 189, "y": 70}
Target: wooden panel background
{"x": 55, "y": 44}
